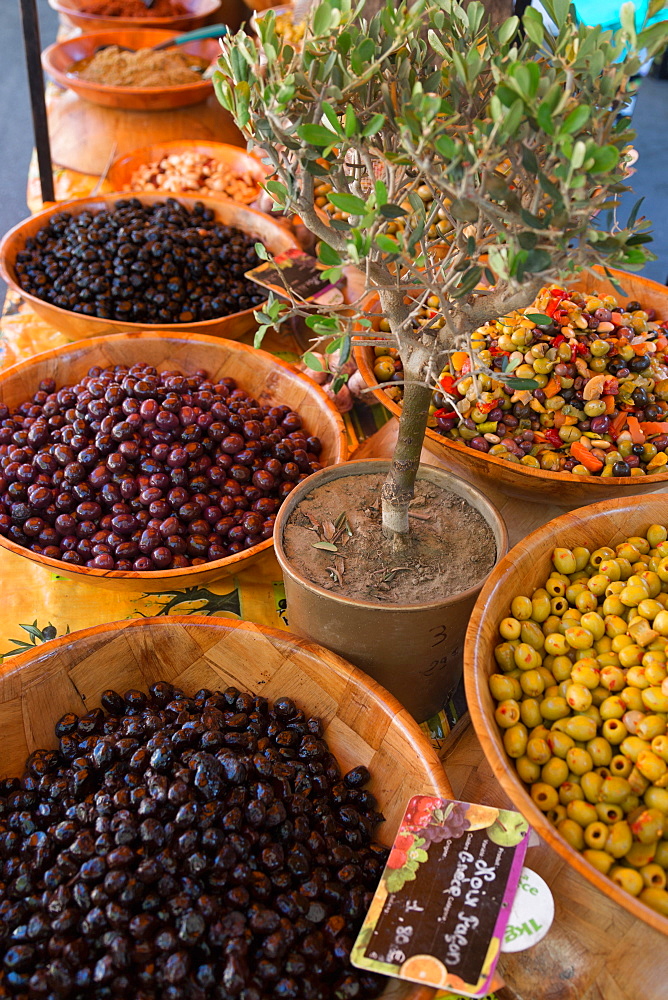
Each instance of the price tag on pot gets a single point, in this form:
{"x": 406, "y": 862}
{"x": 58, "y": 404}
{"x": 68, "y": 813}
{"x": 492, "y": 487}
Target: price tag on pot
{"x": 299, "y": 272}
{"x": 531, "y": 915}
{"x": 439, "y": 914}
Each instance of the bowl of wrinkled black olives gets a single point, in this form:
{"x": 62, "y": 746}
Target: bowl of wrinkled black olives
{"x": 196, "y": 808}
{"x": 118, "y": 263}
{"x": 151, "y": 461}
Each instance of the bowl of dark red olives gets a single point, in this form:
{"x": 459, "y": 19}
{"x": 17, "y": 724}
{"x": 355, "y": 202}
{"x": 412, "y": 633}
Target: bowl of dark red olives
{"x": 148, "y": 460}
{"x": 118, "y": 263}
{"x": 588, "y": 421}
{"x": 191, "y": 808}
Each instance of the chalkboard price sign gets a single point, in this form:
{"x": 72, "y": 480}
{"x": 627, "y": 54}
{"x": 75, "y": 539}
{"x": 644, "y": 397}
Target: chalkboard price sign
{"x": 440, "y": 911}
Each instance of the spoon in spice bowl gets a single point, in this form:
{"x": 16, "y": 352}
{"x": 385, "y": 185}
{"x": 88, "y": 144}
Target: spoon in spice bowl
{"x": 210, "y": 31}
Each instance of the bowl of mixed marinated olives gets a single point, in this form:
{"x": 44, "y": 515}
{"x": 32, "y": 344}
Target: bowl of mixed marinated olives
{"x": 142, "y": 461}
{"x": 118, "y": 263}
{"x": 593, "y": 422}
{"x": 192, "y": 804}
{"x": 566, "y": 668}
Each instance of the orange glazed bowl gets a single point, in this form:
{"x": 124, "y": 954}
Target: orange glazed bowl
{"x": 198, "y": 13}
{"x": 241, "y": 163}
{"x": 59, "y": 58}
{"x": 263, "y": 376}
{"x": 276, "y": 237}
{"x": 538, "y": 485}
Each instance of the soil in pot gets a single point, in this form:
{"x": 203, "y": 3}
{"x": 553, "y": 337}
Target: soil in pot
{"x": 334, "y": 539}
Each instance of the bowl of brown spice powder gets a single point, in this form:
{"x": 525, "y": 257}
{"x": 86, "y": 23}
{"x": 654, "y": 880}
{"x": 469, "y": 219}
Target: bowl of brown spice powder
{"x": 119, "y": 69}
{"x": 172, "y": 15}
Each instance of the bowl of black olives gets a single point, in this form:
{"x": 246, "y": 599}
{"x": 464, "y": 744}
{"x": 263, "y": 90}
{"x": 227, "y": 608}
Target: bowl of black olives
{"x": 147, "y": 461}
{"x": 119, "y": 263}
{"x": 188, "y": 802}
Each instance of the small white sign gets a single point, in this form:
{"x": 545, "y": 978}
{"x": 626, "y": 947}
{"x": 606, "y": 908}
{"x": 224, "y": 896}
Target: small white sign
{"x": 531, "y": 915}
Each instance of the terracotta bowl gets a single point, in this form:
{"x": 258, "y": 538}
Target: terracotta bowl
{"x": 124, "y": 167}
{"x": 58, "y": 59}
{"x": 525, "y": 568}
{"x": 261, "y": 374}
{"x": 275, "y": 236}
{"x": 520, "y": 481}
{"x": 363, "y": 723}
{"x": 199, "y": 13}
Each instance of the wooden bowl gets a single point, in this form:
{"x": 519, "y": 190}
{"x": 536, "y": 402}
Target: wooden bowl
{"x": 538, "y": 485}
{"x": 199, "y": 13}
{"x": 275, "y": 236}
{"x": 123, "y": 168}
{"x": 525, "y": 568}
{"x": 364, "y": 724}
{"x": 58, "y": 59}
{"x": 261, "y": 374}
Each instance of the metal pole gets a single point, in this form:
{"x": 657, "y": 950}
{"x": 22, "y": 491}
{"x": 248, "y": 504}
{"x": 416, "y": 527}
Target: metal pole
{"x": 33, "y": 50}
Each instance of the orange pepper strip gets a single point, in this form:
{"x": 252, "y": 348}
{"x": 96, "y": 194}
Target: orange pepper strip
{"x": 637, "y": 433}
{"x": 617, "y": 424}
{"x": 552, "y": 387}
{"x": 654, "y": 426}
{"x": 609, "y": 403}
{"x": 661, "y": 342}
{"x": 585, "y": 457}
{"x": 559, "y": 419}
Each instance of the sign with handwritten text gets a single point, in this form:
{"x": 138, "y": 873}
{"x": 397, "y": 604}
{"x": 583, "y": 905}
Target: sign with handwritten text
{"x": 440, "y": 911}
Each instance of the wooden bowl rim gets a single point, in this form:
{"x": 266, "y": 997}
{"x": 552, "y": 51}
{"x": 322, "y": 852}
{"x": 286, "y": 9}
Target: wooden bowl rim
{"x": 200, "y": 11}
{"x": 404, "y": 721}
{"x": 86, "y": 572}
{"x": 475, "y": 680}
{"x": 225, "y": 151}
{"x": 361, "y": 467}
{"x": 362, "y": 357}
{"x": 101, "y": 201}
{"x": 108, "y": 37}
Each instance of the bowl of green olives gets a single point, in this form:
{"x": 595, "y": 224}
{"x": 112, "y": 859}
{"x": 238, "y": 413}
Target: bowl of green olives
{"x": 595, "y": 424}
{"x": 565, "y": 664}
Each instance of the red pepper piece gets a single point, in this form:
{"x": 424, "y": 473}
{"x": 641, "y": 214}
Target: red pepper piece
{"x": 559, "y": 339}
{"x": 447, "y": 383}
{"x": 552, "y": 436}
{"x": 610, "y": 387}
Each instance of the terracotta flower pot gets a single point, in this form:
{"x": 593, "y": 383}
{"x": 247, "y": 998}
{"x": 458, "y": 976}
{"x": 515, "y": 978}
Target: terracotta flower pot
{"x": 412, "y": 649}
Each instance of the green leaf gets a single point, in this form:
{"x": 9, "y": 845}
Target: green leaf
{"x": 464, "y": 210}
{"x": 446, "y": 147}
{"x": 373, "y": 126}
{"x": 381, "y": 193}
{"x": 517, "y": 383}
{"x": 507, "y": 30}
{"x": 605, "y": 159}
{"x": 322, "y": 19}
{"x": 387, "y": 244}
{"x": 529, "y": 161}
{"x": 242, "y": 96}
{"x": 527, "y": 240}
{"x": 313, "y": 362}
{"x": 259, "y": 337}
{"x": 328, "y": 255}
{"x": 540, "y": 319}
{"x": 538, "y": 260}
{"x": 349, "y": 203}
{"x": 392, "y": 211}
{"x": 328, "y": 546}
{"x": 261, "y": 251}
{"x": 634, "y": 213}
{"x": 277, "y": 189}
{"x": 576, "y": 119}
{"x": 316, "y": 135}
{"x": 544, "y": 118}
{"x": 331, "y": 116}
{"x": 533, "y": 25}
{"x": 350, "y": 123}
{"x": 339, "y": 381}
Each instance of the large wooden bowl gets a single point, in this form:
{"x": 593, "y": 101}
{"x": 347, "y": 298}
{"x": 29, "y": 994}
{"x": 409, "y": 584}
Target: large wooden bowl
{"x": 627, "y": 921}
{"x": 261, "y": 374}
{"x": 276, "y": 237}
{"x": 363, "y": 723}
{"x": 199, "y": 13}
{"x": 58, "y": 59}
{"x": 123, "y": 169}
{"x": 520, "y": 481}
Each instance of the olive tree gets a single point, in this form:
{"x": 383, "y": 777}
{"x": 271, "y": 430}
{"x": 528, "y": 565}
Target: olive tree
{"x": 471, "y": 164}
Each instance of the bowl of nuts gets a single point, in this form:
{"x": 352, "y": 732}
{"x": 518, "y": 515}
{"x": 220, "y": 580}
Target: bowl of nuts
{"x": 213, "y": 169}
{"x": 565, "y": 671}
{"x": 596, "y": 422}
{"x": 143, "y": 462}
{"x": 223, "y": 811}
{"x": 111, "y": 264}
{"x": 174, "y": 15}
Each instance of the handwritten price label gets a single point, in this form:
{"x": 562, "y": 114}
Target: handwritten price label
{"x": 531, "y": 915}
